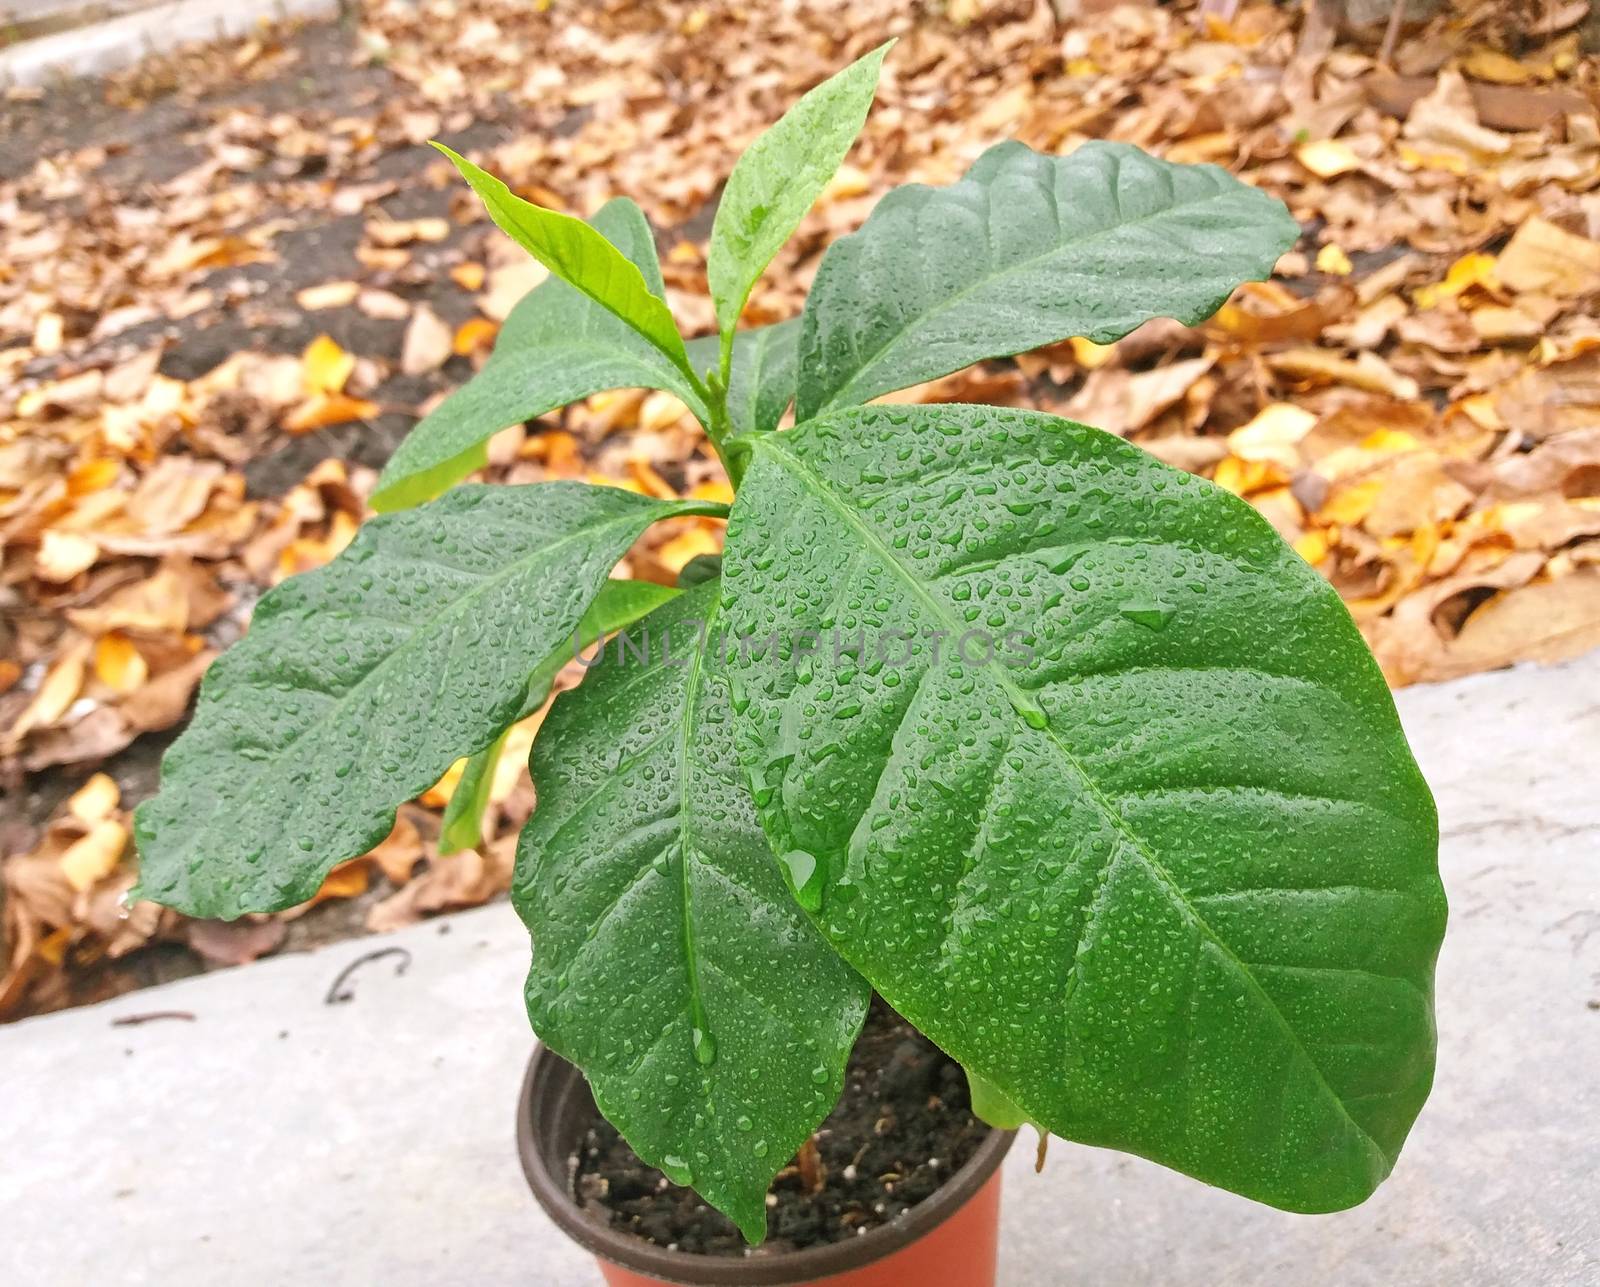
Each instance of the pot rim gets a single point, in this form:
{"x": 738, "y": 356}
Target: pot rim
{"x": 781, "y": 1269}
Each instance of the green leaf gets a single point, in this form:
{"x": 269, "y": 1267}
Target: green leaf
{"x": 669, "y": 962}
{"x": 1027, "y": 250}
{"x": 360, "y": 683}
{"x": 761, "y": 384}
{"x": 1141, "y": 844}
{"x": 556, "y": 347}
{"x": 619, "y": 604}
{"x": 580, "y": 256}
{"x": 462, "y": 824}
{"x": 990, "y": 1106}
{"x": 779, "y": 178}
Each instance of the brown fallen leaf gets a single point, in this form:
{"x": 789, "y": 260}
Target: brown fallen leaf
{"x": 1544, "y": 258}
{"x": 427, "y": 343}
{"x": 235, "y": 942}
{"x": 327, "y": 295}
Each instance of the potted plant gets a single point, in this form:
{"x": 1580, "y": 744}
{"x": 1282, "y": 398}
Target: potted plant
{"x": 1059, "y": 751}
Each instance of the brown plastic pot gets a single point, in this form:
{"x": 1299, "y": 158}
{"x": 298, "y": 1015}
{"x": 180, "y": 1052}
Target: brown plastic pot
{"x": 950, "y": 1239}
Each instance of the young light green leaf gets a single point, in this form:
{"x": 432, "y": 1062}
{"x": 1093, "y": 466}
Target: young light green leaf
{"x": 580, "y": 256}
{"x": 619, "y": 604}
{"x": 1095, "y": 781}
{"x": 556, "y": 347}
{"x": 761, "y": 383}
{"x": 462, "y": 824}
{"x": 360, "y": 683}
{"x": 779, "y": 178}
{"x": 1027, "y": 250}
{"x": 669, "y": 963}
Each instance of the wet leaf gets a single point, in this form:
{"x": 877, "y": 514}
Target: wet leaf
{"x": 1159, "y": 789}
{"x": 720, "y": 1068}
{"x": 294, "y": 760}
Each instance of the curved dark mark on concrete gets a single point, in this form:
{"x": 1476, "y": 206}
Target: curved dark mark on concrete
{"x": 338, "y": 993}
{"x": 133, "y": 1020}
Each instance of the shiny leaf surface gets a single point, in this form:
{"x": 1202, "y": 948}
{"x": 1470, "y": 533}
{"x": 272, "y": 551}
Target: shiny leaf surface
{"x": 557, "y": 346}
{"x": 778, "y": 179}
{"x": 1109, "y": 799}
{"x": 669, "y": 962}
{"x": 360, "y": 683}
{"x": 1026, "y": 250}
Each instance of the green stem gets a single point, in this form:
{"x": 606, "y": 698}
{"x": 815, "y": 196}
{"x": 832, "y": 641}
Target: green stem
{"x": 714, "y": 393}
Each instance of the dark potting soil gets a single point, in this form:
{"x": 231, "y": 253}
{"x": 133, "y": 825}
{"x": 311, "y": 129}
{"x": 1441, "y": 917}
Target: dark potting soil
{"x": 902, "y": 1127}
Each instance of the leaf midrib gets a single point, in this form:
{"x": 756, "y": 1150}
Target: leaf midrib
{"x": 815, "y": 483}
{"x": 833, "y": 402}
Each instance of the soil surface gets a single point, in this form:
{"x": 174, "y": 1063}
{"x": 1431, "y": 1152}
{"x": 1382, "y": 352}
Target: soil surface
{"x": 903, "y": 1126}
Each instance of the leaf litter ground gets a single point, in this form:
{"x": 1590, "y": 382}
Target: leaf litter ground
{"x": 231, "y": 279}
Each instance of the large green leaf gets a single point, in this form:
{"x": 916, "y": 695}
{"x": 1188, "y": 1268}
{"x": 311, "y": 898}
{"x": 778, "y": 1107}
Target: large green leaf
{"x": 556, "y": 347}
{"x": 778, "y": 179}
{"x": 761, "y": 384}
{"x": 1159, "y": 869}
{"x": 580, "y": 256}
{"x": 1027, "y": 250}
{"x": 358, "y": 684}
{"x": 620, "y": 603}
{"x": 669, "y": 962}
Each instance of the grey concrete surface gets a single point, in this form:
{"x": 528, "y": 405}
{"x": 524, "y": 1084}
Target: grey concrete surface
{"x": 275, "y": 1139}
{"x": 120, "y": 41}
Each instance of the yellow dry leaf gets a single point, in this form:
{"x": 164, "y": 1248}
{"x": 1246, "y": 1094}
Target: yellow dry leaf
{"x": 468, "y": 276}
{"x": 347, "y": 880}
{"x": 1089, "y": 354}
{"x": 324, "y": 409}
{"x": 1349, "y": 504}
{"x": 1390, "y": 440}
{"x": 1493, "y": 66}
{"x": 474, "y": 334}
{"x": 95, "y": 856}
{"x": 1313, "y": 546}
{"x": 1331, "y": 259}
{"x": 1368, "y": 371}
{"x": 438, "y": 795}
{"x": 661, "y": 410}
{"x": 674, "y": 555}
{"x": 118, "y": 664}
{"x": 324, "y": 366}
{"x": 327, "y": 295}
{"x": 1475, "y": 269}
{"x": 1542, "y": 257}
{"x": 650, "y": 482}
{"x": 716, "y": 489}
{"x": 1273, "y": 434}
{"x": 514, "y": 757}
{"x": 848, "y": 181}
{"x": 398, "y": 232}
{"x": 62, "y": 555}
{"x": 60, "y": 688}
{"x": 622, "y": 484}
{"x": 1242, "y": 477}
{"x": 95, "y": 799}
{"x": 93, "y": 475}
{"x": 1327, "y": 158}
{"x": 48, "y": 334}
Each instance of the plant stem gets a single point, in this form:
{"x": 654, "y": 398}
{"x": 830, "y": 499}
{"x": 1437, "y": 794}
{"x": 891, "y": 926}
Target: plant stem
{"x": 714, "y": 393}
{"x": 809, "y": 1163}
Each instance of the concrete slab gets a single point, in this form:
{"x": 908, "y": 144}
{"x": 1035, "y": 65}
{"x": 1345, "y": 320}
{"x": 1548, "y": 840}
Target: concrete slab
{"x": 123, "y": 40}
{"x": 275, "y": 1139}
